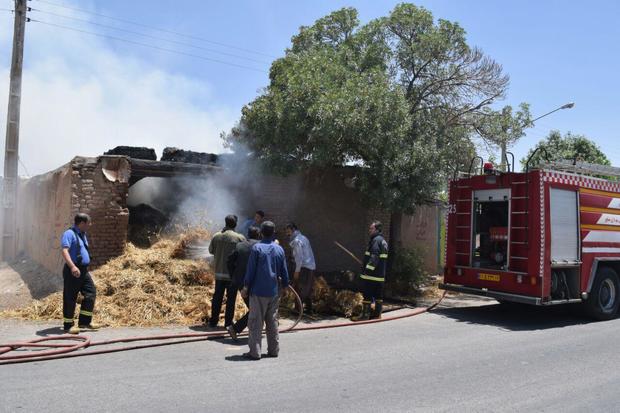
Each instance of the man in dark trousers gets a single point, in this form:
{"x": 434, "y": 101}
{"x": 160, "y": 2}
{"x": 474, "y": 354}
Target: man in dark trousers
{"x": 373, "y": 273}
{"x": 221, "y": 246}
{"x": 237, "y": 265}
{"x": 76, "y": 277}
{"x": 303, "y": 276}
{"x": 266, "y": 268}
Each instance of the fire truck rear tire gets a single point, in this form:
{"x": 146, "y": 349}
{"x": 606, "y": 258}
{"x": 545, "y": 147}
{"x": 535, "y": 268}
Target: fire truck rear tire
{"x": 604, "y": 299}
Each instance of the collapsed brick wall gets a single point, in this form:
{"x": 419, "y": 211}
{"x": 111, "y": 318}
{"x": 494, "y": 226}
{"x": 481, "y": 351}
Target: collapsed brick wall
{"x": 47, "y": 204}
{"x": 44, "y": 212}
{"x": 99, "y": 187}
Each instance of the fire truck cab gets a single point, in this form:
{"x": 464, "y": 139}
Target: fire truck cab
{"x": 546, "y": 236}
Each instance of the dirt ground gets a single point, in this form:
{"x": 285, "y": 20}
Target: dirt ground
{"x": 24, "y": 280}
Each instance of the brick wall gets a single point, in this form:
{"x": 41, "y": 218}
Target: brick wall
{"x": 99, "y": 188}
{"x": 324, "y": 208}
{"x": 48, "y": 203}
{"x": 422, "y": 230}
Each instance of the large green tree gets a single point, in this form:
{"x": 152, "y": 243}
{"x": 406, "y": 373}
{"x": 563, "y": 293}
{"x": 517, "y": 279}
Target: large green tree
{"x": 568, "y": 147}
{"x": 398, "y": 97}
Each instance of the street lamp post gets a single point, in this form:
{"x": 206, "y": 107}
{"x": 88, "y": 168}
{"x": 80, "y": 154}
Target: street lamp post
{"x": 566, "y": 106}
{"x": 569, "y": 105}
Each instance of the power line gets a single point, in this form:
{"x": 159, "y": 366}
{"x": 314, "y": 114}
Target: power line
{"x": 149, "y": 36}
{"x": 188, "y": 36}
{"x": 24, "y": 166}
{"x": 163, "y": 49}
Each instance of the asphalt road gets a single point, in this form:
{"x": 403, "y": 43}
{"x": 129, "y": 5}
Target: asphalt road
{"x": 481, "y": 358}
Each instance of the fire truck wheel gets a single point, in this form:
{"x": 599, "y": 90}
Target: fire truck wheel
{"x": 605, "y": 295}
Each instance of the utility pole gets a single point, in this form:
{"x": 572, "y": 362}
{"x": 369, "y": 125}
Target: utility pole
{"x": 11, "y": 156}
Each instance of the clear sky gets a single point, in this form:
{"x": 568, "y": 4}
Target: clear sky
{"x": 83, "y": 94}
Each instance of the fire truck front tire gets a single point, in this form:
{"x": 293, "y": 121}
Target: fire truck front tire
{"x": 604, "y": 299}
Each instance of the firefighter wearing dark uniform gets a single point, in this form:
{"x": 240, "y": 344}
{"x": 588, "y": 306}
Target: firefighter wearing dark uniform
{"x": 373, "y": 273}
{"x": 76, "y": 277}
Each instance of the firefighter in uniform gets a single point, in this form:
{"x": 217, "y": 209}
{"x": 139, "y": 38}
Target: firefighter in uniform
{"x": 76, "y": 277}
{"x": 373, "y": 273}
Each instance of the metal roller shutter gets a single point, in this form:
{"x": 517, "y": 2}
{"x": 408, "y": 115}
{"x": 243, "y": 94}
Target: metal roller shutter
{"x": 564, "y": 226}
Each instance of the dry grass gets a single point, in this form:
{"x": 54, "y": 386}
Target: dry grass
{"x": 326, "y": 300}
{"x": 144, "y": 287}
{"x": 159, "y": 286}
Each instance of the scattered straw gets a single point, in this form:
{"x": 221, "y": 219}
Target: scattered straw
{"x": 326, "y": 300}
{"x": 159, "y": 286}
{"x": 143, "y": 287}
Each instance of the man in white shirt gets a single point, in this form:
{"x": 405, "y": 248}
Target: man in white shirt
{"x": 303, "y": 277}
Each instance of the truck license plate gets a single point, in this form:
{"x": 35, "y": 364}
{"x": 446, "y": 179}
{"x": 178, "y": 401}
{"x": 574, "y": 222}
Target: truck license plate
{"x": 488, "y": 277}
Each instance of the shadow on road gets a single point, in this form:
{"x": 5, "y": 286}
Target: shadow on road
{"x": 50, "y": 331}
{"x": 516, "y": 317}
{"x": 239, "y": 357}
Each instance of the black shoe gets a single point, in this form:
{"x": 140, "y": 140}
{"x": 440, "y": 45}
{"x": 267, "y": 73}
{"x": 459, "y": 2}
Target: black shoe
{"x": 274, "y": 356}
{"x": 233, "y": 333}
{"x": 376, "y": 313}
{"x": 249, "y": 356}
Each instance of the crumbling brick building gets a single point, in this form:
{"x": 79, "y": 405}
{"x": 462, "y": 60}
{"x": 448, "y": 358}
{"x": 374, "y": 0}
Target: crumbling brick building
{"x": 324, "y": 205}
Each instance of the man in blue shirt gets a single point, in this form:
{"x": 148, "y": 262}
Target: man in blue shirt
{"x": 76, "y": 277}
{"x": 266, "y": 267}
{"x": 259, "y": 217}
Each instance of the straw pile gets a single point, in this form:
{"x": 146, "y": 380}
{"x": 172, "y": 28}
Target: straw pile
{"x": 161, "y": 285}
{"x": 326, "y": 300}
{"x": 144, "y": 287}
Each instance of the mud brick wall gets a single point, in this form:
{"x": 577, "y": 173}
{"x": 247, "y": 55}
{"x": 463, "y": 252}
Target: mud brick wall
{"x": 44, "y": 212}
{"x": 422, "y": 230}
{"x": 324, "y": 208}
{"x": 99, "y": 187}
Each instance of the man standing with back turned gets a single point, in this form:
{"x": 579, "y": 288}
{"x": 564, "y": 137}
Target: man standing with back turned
{"x": 237, "y": 266}
{"x": 221, "y": 246}
{"x": 266, "y": 266}
{"x": 76, "y": 277}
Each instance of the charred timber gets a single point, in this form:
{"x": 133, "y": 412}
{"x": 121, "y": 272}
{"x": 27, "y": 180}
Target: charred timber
{"x": 134, "y": 152}
{"x": 141, "y": 168}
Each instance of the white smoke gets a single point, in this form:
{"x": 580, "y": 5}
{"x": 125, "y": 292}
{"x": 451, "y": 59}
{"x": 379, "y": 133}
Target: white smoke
{"x": 81, "y": 96}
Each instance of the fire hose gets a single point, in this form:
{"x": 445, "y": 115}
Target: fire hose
{"x": 60, "y": 350}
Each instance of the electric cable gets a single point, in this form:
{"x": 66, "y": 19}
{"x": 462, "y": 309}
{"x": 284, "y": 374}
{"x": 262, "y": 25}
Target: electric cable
{"x": 163, "y": 49}
{"x": 146, "y": 26}
{"x": 149, "y": 36}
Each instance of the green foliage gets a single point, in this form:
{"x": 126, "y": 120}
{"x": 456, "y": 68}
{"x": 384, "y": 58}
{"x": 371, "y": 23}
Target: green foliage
{"x": 504, "y": 127}
{"x": 407, "y": 272}
{"x": 397, "y": 97}
{"x": 568, "y": 146}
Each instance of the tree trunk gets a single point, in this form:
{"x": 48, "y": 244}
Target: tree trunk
{"x": 502, "y": 165}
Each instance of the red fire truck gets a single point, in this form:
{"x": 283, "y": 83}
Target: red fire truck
{"x": 546, "y": 236}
